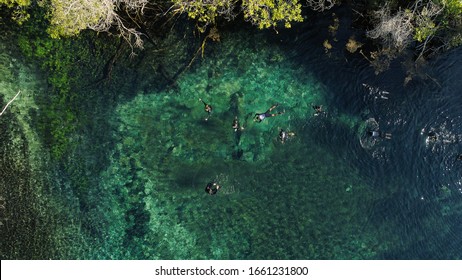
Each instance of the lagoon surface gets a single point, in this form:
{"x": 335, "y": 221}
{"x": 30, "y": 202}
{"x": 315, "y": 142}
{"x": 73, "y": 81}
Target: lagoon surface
{"x": 132, "y": 186}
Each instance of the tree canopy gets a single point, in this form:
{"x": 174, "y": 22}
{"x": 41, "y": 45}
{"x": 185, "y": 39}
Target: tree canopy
{"x": 11, "y": 3}
{"x": 432, "y": 24}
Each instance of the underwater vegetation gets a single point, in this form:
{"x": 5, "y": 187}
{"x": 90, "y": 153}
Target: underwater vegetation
{"x": 106, "y": 156}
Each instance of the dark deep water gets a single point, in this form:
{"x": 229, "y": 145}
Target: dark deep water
{"x": 420, "y": 176}
{"x": 327, "y": 193}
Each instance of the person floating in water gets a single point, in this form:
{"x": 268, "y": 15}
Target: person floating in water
{"x": 285, "y": 135}
{"x": 432, "y": 136}
{"x": 212, "y": 188}
{"x": 259, "y": 117}
{"x": 236, "y": 124}
{"x": 317, "y": 110}
{"x": 459, "y": 157}
{"x": 207, "y": 108}
{"x": 377, "y": 134}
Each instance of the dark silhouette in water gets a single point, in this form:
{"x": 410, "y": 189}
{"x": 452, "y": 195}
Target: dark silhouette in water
{"x": 237, "y": 154}
{"x": 432, "y": 136}
{"x": 212, "y": 188}
{"x": 236, "y": 124}
{"x": 285, "y": 135}
{"x": 317, "y": 109}
{"x": 207, "y": 108}
{"x": 234, "y": 108}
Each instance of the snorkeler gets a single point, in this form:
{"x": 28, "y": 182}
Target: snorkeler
{"x": 376, "y": 134}
{"x": 236, "y": 124}
{"x": 285, "y": 135}
{"x": 432, "y": 136}
{"x": 207, "y": 108}
{"x": 261, "y": 116}
{"x": 212, "y": 188}
{"x": 317, "y": 109}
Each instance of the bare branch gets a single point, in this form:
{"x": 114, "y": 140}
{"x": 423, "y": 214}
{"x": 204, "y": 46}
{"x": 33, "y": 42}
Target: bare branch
{"x": 69, "y": 17}
{"x": 8, "y": 104}
{"x": 321, "y": 5}
{"x": 394, "y": 30}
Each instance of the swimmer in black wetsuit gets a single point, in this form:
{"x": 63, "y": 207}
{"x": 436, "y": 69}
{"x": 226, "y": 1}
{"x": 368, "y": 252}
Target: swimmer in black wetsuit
{"x": 259, "y": 117}
{"x": 432, "y": 136}
{"x": 207, "y": 108}
{"x": 212, "y": 188}
{"x": 236, "y": 124}
{"x": 285, "y": 135}
{"x": 317, "y": 109}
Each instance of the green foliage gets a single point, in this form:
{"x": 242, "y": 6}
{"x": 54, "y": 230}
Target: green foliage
{"x": 20, "y": 16}
{"x": 205, "y": 11}
{"x": 55, "y": 56}
{"x": 423, "y": 20}
{"x": 13, "y": 3}
{"x": 268, "y": 13}
{"x": 60, "y": 123}
{"x": 424, "y": 25}
{"x": 452, "y": 7}
{"x": 455, "y": 40}
{"x": 59, "y": 59}
{"x": 68, "y": 17}
{"x": 262, "y": 13}
{"x": 17, "y": 9}
{"x": 450, "y": 22}
{"x": 424, "y": 31}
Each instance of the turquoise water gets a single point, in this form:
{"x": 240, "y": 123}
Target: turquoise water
{"x": 133, "y": 185}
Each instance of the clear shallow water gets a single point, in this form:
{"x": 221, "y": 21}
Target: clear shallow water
{"x": 277, "y": 200}
{"x": 321, "y": 195}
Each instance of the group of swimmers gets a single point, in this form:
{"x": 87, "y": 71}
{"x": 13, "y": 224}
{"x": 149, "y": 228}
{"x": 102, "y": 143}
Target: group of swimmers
{"x": 213, "y": 187}
{"x": 283, "y": 135}
{"x": 432, "y": 137}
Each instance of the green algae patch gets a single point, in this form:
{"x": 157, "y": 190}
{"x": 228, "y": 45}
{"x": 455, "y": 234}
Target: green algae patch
{"x": 36, "y": 222}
